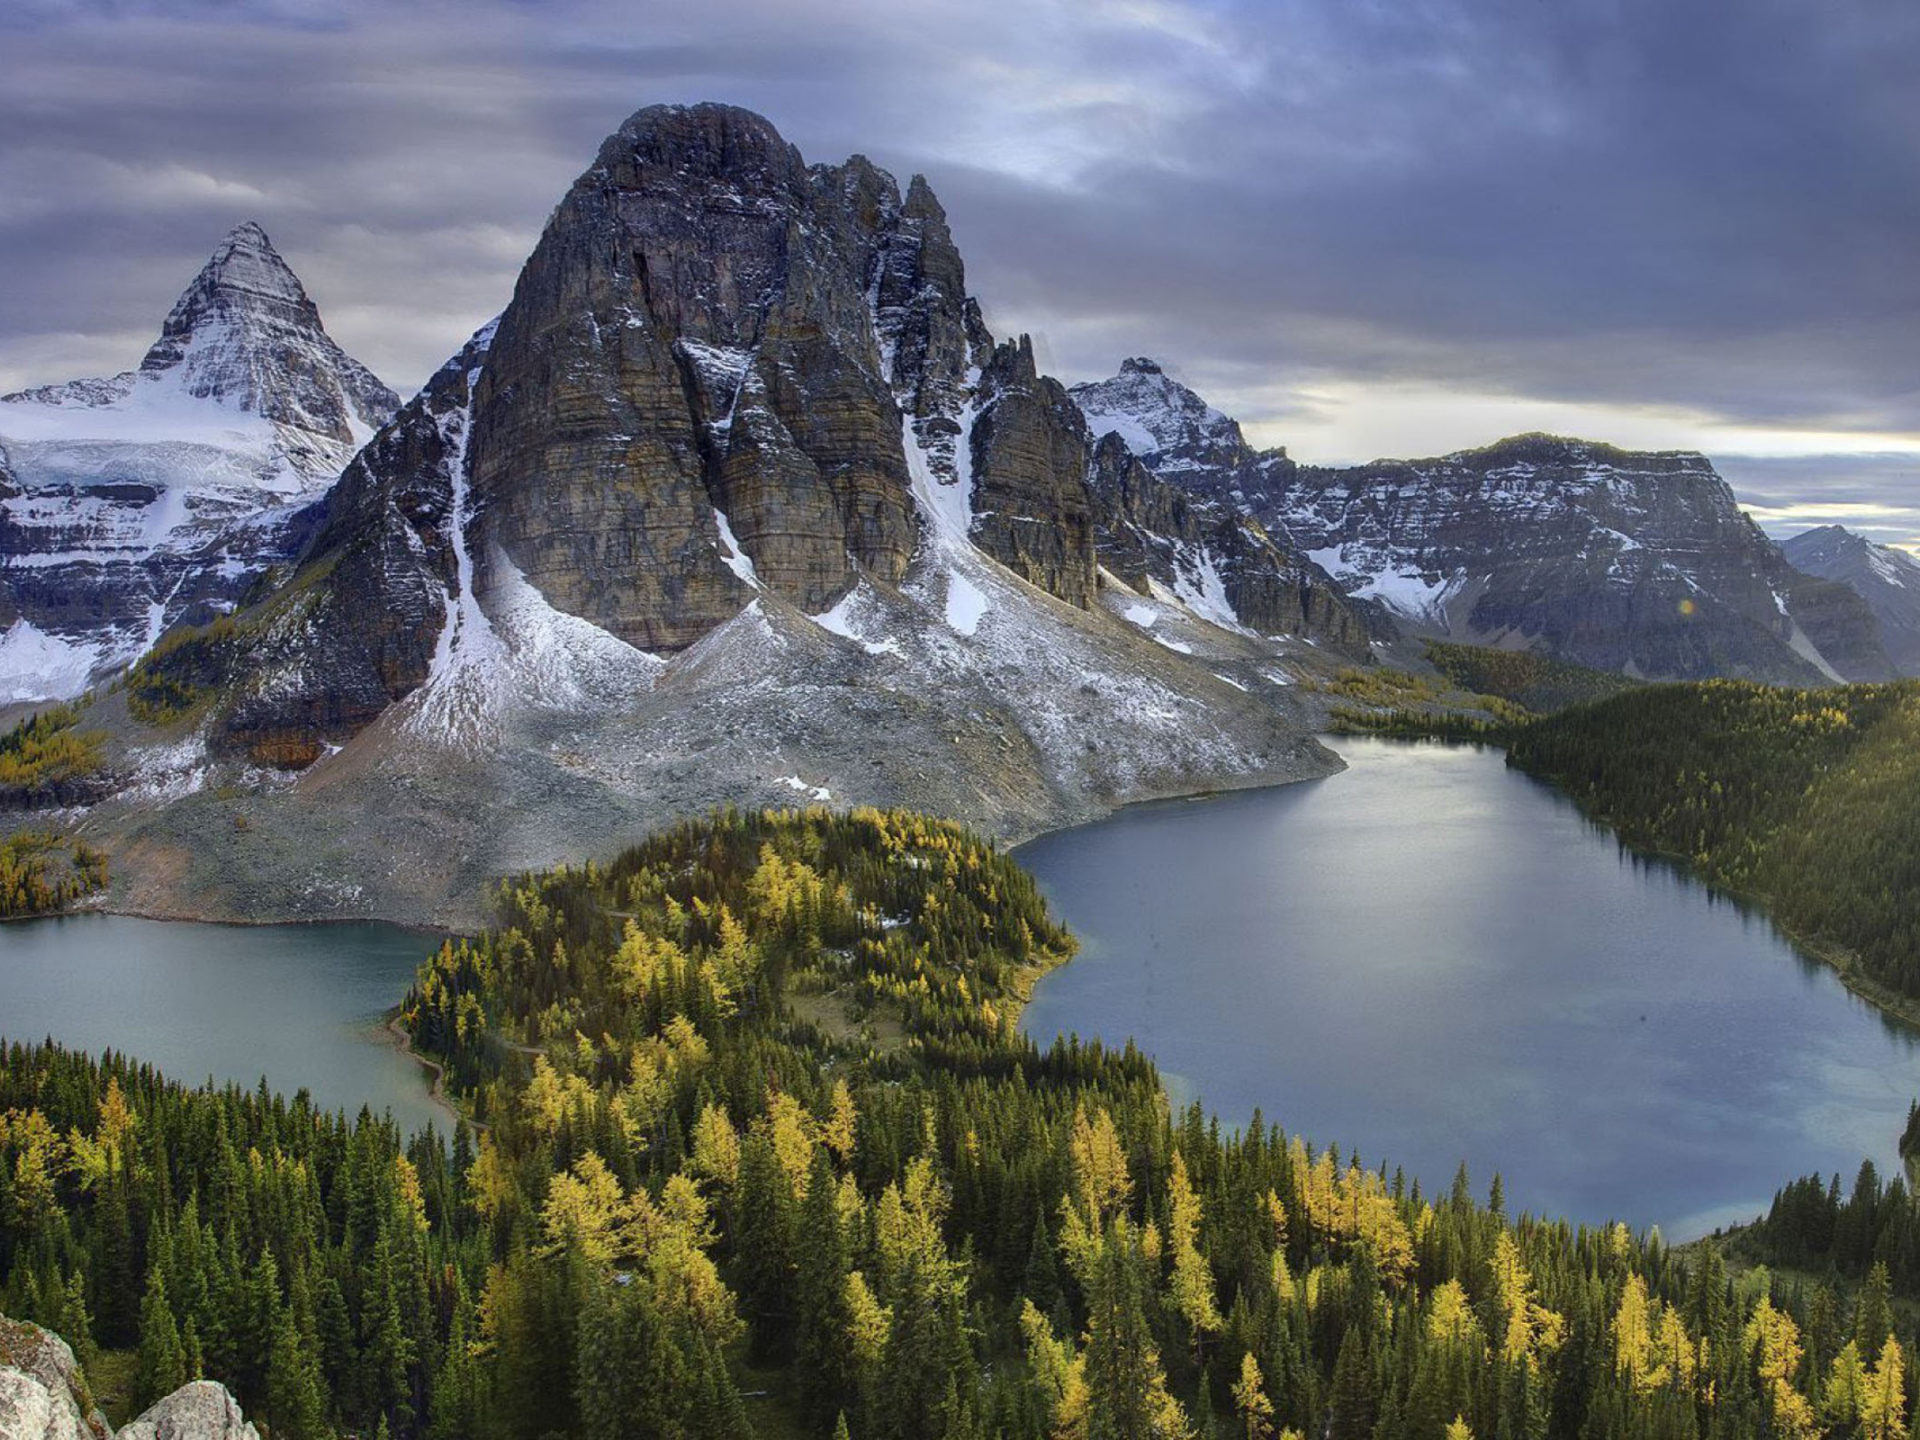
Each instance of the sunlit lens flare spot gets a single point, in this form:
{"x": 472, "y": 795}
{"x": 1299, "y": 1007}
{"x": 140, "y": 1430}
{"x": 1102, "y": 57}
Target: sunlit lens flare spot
{"x": 1686, "y": 607}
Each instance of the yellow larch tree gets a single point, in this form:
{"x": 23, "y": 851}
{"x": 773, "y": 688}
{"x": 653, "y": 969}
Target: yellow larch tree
{"x": 1633, "y": 1357}
{"x": 716, "y": 1147}
{"x": 585, "y": 1207}
{"x": 1883, "y": 1399}
{"x": 1528, "y": 1330}
{"x": 1845, "y": 1389}
{"x": 1450, "y": 1318}
{"x": 1059, "y": 1373}
{"x": 1191, "y": 1285}
{"x": 787, "y": 1124}
{"x": 1250, "y": 1400}
{"x": 837, "y": 1130}
{"x": 1774, "y": 1341}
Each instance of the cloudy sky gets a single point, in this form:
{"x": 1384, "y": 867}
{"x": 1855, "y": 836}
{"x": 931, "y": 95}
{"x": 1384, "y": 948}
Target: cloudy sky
{"x": 1365, "y": 227}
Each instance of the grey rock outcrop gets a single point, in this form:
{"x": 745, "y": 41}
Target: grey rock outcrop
{"x": 199, "y": 1410}
{"x": 42, "y": 1394}
{"x": 1887, "y": 579}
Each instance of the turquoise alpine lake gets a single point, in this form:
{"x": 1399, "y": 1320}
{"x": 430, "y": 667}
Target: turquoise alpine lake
{"x": 301, "y": 1005}
{"x": 1431, "y": 959}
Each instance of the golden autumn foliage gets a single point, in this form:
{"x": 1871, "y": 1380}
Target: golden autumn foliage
{"x": 1191, "y": 1286}
{"x": 1251, "y": 1402}
{"x": 1773, "y": 1340}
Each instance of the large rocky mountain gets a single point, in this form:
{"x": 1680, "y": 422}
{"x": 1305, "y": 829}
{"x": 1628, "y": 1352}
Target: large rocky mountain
{"x": 1886, "y": 578}
{"x": 737, "y": 501}
{"x": 130, "y": 503}
{"x": 1622, "y": 560}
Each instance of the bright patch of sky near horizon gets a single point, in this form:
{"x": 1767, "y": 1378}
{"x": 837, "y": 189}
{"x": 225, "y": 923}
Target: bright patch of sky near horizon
{"x": 1364, "y": 229}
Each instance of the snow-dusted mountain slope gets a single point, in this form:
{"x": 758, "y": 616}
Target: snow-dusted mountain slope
{"x": 1631, "y": 561}
{"x": 1886, "y": 578}
{"x": 132, "y": 502}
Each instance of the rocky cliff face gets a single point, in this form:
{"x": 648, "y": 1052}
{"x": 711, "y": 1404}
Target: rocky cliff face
{"x": 1620, "y": 560}
{"x": 688, "y": 378}
{"x": 359, "y": 627}
{"x": 1032, "y": 509}
{"x": 1888, "y": 580}
{"x": 131, "y": 503}
{"x": 1166, "y": 541}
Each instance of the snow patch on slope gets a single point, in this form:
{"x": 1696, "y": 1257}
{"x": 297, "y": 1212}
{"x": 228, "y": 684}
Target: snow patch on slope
{"x": 732, "y": 554}
{"x": 813, "y": 792}
{"x": 525, "y": 655}
{"x": 1804, "y": 647}
{"x": 37, "y": 666}
{"x": 946, "y": 506}
{"x": 966, "y": 604}
{"x": 849, "y": 619}
{"x": 1201, "y": 589}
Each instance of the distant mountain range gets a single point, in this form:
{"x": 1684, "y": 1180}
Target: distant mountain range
{"x": 1621, "y": 560}
{"x": 739, "y": 501}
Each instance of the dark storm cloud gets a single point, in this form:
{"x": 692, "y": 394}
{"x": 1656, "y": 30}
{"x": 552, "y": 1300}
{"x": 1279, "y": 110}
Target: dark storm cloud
{"x": 1706, "y": 208}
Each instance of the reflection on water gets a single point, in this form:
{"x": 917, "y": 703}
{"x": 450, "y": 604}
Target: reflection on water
{"x": 300, "y": 1004}
{"x": 1431, "y": 958}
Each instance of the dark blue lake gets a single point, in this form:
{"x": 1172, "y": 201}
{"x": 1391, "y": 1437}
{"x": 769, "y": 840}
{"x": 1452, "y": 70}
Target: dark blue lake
{"x": 1432, "y": 959}
{"x": 300, "y": 1004}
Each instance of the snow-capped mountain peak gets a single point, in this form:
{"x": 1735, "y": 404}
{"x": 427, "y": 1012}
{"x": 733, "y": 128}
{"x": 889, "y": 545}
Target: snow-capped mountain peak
{"x": 130, "y": 501}
{"x": 246, "y": 334}
{"x": 1163, "y": 422}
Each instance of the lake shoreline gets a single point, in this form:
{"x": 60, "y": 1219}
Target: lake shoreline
{"x": 437, "y": 1088}
{"x": 133, "y": 891}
